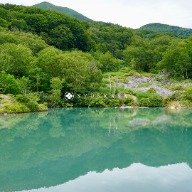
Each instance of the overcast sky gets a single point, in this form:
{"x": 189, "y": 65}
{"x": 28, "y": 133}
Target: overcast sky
{"x": 130, "y": 13}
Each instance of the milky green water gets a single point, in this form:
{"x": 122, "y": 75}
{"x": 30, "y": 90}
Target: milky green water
{"x": 97, "y": 150}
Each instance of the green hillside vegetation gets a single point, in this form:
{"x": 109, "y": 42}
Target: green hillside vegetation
{"x": 48, "y": 6}
{"x": 158, "y": 27}
{"x": 46, "y": 55}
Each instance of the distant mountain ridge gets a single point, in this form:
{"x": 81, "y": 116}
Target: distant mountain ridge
{"x": 48, "y": 6}
{"x": 158, "y": 27}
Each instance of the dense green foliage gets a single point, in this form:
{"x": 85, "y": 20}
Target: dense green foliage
{"x": 178, "y": 59}
{"x": 48, "y": 6}
{"x": 158, "y": 27}
{"x": 52, "y": 26}
{"x": 51, "y": 54}
{"x": 8, "y": 84}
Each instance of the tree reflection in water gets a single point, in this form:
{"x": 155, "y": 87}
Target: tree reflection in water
{"x": 52, "y": 148}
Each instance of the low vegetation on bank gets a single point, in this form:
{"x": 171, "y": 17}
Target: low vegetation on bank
{"x": 20, "y": 104}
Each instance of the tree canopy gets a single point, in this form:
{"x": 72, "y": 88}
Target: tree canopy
{"x": 41, "y": 48}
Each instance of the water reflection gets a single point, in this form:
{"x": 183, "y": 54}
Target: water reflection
{"x": 66, "y": 147}
{"x": 136, "y": 178}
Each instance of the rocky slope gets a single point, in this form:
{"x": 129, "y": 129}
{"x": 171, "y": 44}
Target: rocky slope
{"x": 160, "y": 83}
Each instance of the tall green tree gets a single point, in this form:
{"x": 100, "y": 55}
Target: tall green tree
{"x": 139, "y": 58}
{"x": 49, "y": 61}
{"x": 80, "y": 72}
{"x": 177, "y": 59}
{"x": 8, "y": 84}
{"x": 56, "y": 87}
{"x": 33, "y": 42}
{"x": 108, "y": 62}
{"x": 37, "y": 22}
{"x": 62, "y": 37}
{"x": 15, "y": 59}
{"x": 18, "y": 24}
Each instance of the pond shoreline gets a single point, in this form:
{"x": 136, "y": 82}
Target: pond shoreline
{"x": 121, "y": 107}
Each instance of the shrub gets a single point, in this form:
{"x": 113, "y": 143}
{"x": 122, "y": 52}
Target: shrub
{"x": 125, "y": 91}
{"x": 15, "y": 108}
{"x": 141, "y": 95}
{"x": 151, "y": 90}
{"x": 97, "y": 102}
{"x": 8, "y": 84}
{"x": 112, "y": 102}
{"x": 43, "y": 107}
{"x": 128, "y": 101}
{"x": 188, "y": 93}
{"x": 177, "y": 88}
{"x": 30, "y": 100}
{"x": 156, "y": 101}
{"x": 144, "y": 84}
{"x": 174, "y": 105}
{"x": 186, "y": 103}
{"x": 133, "y": 73}
{"x": 81, "y": 101}
{"x": 174, "y": 97}
{"x": 152, "y": 101}
{"x": 144, "y": 102}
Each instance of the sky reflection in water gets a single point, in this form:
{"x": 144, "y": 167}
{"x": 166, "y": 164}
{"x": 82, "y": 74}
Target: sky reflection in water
{"x": 136, "y": 178}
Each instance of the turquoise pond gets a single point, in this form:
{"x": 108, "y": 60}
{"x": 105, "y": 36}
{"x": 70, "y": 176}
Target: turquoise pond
{"x": 97, "y": 150}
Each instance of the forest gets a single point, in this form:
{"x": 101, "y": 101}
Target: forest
{"x": 178, "y": 31}
{"x": 50, "y": 59}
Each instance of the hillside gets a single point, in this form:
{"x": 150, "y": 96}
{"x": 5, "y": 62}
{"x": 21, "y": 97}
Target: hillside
{"x": 48, "y": 6}
{"x": 158, "y": 27}
{"x": 101, "y": 64}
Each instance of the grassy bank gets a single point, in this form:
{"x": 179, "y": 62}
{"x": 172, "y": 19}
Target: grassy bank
{"x": 12, "y": 104}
